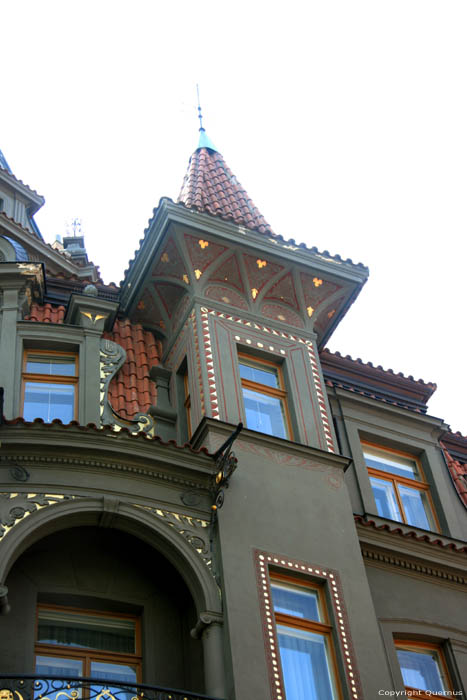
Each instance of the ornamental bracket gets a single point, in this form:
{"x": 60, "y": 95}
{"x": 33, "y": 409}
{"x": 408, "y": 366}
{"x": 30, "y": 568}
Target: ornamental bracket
{"x": 226, "y": 463}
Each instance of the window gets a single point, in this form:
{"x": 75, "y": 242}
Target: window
{"x": 264, "y": 397}
{"x": 50, "y": 385}
{"x": 423, "y": 668}
{"x": 75, "y": 643}
{"x": 399, "y": 488}
{"x": 304, "y": 636}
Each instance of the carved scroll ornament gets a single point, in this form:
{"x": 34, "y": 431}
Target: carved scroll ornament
{"x": 112, "y": 359}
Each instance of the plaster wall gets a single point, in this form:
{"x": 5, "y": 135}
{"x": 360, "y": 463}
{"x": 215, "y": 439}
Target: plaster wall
{"x": 298, "y": 508}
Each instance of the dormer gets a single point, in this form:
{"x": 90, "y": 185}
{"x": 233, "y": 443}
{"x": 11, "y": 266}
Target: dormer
{"x": 240, "y": 311}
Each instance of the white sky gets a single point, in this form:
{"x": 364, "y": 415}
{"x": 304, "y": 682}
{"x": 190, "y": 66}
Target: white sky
{"x": 345, "y": 120}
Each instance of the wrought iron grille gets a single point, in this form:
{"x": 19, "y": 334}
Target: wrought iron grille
{"x": 40, "y": 688}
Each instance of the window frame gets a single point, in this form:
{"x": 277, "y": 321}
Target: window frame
{"x": 414, "y": 645}
{"x": 280, "y": 392}
{"x": 38, "y": 378}
{"x": 324, "y": 629}
{"x": 422, "y": 485}
{"x": 89, "y": 655}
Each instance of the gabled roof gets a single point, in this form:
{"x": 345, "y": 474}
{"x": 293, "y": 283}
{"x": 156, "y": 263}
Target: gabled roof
{"x": 211, "y": 187}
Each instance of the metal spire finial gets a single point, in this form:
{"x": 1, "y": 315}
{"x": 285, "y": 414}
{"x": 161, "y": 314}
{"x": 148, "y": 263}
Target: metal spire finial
{"x": 200, "y": 116}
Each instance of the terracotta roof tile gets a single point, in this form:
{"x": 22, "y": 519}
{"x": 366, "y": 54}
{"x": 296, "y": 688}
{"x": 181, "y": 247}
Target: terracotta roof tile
{"x": 46, "y": 313}
{"x": 375, "y": 382}
{"x": 217, "y": 211}
{"x": 211, "y": 187}
{"x": 359, "y": 361}
{"x": 411, "y": 534}
{"x": 132, "y": 391}
{"x": 104, "y": 430}
{"x": 458, "y": 472}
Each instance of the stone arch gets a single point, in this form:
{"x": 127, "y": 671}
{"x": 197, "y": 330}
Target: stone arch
{"x": 134, "y": 520}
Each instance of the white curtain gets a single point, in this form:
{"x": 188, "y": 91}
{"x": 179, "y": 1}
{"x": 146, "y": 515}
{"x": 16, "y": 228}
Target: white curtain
{"x": 305, "y": 665}
{"x": 420, "y": 670}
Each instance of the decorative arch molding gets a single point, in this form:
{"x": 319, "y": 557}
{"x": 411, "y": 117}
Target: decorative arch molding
{"x": 177, "y": 537}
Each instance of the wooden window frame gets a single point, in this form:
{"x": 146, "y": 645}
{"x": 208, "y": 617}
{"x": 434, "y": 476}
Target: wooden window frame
{"x": 325, "y": 629}
{"x": 89, "y": 655}
{"x": 50, "y": 378}
{"x": 280, "y": 393}
{"x": 415, "y": 645}
{"x": 421, "y": 485}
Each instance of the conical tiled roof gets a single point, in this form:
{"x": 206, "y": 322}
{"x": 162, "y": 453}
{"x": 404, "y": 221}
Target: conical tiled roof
{"x": 210, "y": 187}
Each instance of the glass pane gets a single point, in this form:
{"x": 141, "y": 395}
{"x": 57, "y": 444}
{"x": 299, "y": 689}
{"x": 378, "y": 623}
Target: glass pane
{"x": 41, "y": 364}
{"x": 305, "y": 665}
{"x": 86, "y": 631}
{"x": 56, "y": 666}
{"x": 421, "y": 670}
{"x": 119, "y": 673}
{"x": 264, "y": 413}
{"x": 49, "y": 401}
{"x": 262, "y": 375}
{"x": 296, "y": 601}
{"x": 392, "y": 463}
{"x": 415, "y": 507}
{"x": 109, "y": 671}
{"x": 385, "y": 498}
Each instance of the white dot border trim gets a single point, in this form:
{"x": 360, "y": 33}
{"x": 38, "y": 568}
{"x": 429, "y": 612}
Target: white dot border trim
{"x": 279, "y": 334}
{"x": 263, "y": 561}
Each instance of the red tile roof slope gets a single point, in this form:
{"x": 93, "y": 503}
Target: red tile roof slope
{"x": 210, "y": 187}
{"x": 57, "y": 424}
{"x": 375, "y": 382}
{"x": 132, "y": 391}
{"x": 46, "y": 313}
{"x": 458, "y": 472}
{"x": 431, "y": 387}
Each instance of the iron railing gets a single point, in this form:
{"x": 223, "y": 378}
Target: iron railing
{"x": 35, "y": 687}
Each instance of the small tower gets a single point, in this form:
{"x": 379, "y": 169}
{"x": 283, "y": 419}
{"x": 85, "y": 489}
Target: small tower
{"x": 240, "y": 311}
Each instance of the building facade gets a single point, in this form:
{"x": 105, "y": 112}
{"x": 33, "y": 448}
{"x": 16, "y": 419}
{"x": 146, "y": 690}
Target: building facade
{"x": 196, "y": 494}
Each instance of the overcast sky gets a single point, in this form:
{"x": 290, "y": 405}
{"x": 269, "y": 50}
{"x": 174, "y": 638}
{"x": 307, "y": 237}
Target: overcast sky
{"x": 345, "y": 120}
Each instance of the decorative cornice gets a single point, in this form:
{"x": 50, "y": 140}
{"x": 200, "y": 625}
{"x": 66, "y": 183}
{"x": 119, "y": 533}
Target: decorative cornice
{"x": 44, "y": 461}
{"x": 377, "y": 530}
{"x": 411, "y": 566}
